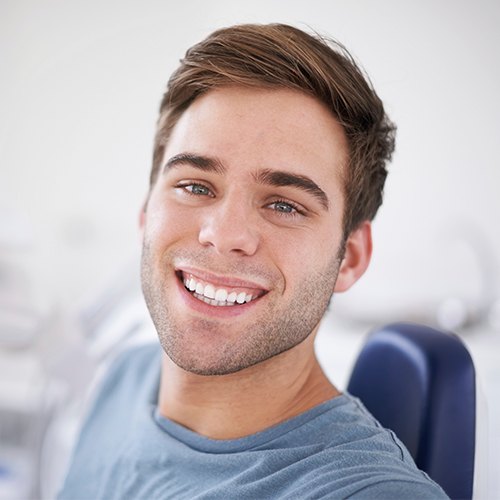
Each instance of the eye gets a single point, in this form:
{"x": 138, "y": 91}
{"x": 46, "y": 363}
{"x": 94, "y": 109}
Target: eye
{"x": 286, "y": 208}
{"x": 198, "y": 189}
{"x": 195, "y": 189}
{"x": 281, "y": 206}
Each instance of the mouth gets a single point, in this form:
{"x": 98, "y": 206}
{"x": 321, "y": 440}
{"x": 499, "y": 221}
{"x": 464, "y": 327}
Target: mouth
{"x": 227, "y": 294}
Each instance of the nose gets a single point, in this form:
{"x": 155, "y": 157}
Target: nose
{"x": 228, "y": 228}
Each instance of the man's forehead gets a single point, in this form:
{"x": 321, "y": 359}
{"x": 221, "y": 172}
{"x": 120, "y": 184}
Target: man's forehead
{"x": 274, "y": 124}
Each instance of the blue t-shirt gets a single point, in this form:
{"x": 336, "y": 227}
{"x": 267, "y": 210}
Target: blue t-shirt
{"x": 126, "y": 450}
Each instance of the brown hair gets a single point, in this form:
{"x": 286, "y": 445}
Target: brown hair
{"x": 277, "y": 55}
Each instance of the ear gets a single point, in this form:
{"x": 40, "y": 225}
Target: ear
{"x": 358, "y": 252}
{"x": 142, "y": 217}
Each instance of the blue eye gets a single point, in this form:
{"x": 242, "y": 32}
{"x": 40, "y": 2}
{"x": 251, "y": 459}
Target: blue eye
{"x": 198, "y": 189}
{"x": 195, "y": 189}
{"x": 286, "y": 208}
{"x": 283, "y": 207}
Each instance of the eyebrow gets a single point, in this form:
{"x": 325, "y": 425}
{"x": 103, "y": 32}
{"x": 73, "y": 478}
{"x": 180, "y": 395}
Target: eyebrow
{"x": 270, "y": 177}
{"x": 281, "y": 179}
{"x": 205, "y": 163}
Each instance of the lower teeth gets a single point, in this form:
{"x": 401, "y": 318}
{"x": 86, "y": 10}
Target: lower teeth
{"x": 211, "y": 302}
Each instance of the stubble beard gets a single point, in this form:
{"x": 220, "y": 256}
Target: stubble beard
{"x": 279, "y": 328}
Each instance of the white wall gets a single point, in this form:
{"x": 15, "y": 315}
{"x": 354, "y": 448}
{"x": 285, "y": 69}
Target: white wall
{"x": 80, "y": 86}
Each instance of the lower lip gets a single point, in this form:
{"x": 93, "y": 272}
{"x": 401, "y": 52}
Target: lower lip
{"x": 214, "y": 311}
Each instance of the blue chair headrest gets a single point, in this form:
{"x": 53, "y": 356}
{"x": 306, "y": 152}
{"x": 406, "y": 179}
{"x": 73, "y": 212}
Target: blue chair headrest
{"x": 420, "y": 383}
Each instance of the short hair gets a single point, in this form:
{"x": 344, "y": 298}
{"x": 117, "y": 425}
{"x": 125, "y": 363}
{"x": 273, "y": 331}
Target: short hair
{"x": 282, "y": 56}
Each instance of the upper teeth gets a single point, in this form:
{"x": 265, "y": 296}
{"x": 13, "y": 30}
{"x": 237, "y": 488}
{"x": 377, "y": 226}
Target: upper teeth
{"x": 215, "y": 296}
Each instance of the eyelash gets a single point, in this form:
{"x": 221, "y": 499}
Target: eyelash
{"x": 297, "y": 210}
{"x": 186, "y": 185}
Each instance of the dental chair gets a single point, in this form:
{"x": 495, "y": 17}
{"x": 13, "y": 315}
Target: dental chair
{"x": 420, "y": 382}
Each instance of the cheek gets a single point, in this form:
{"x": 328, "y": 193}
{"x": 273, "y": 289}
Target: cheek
{"x": 310, "y": 259}
{"x": 166, "y": 223}
{"x": 294, "y": 253}
{"x": 310, "y": 249}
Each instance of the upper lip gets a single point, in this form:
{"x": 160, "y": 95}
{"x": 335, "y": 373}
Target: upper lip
{"x": 223, "y": 281}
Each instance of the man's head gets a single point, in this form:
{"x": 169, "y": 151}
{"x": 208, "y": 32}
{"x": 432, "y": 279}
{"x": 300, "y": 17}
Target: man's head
{"x": 281, "y": 56}
{"x": 268, "y": 149}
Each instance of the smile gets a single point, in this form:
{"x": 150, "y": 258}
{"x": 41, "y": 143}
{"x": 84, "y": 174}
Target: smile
{"x": 217, "y": 295}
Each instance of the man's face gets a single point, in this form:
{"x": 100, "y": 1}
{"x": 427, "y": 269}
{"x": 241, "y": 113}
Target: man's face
{"x": 242, "y": 234}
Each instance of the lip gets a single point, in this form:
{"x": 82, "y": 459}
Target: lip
{"x": 222, "y": 281}
{"x": 214, "y": 311}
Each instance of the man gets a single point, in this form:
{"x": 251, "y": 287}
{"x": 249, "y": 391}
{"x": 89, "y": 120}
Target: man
{"x": 269, "y": 164}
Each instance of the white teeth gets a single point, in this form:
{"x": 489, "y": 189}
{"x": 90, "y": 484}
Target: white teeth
{"x": 209, "y": 292}
{"x": 211, "y": 302}
{"x": 221, "y": 295}
{"x": 215, "y": 297}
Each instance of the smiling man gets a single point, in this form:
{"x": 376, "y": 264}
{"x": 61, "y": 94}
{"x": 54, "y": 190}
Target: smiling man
{"x": 269, "y": 165}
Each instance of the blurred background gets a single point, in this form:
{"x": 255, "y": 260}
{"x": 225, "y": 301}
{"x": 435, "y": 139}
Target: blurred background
{"x": 80, "y": 87}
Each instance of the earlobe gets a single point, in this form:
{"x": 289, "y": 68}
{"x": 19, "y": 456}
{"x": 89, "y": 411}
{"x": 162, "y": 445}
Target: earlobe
{"x": 357, "y": 257}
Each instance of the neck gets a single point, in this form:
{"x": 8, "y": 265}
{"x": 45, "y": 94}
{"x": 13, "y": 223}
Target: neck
{"x": 251, "y": 400}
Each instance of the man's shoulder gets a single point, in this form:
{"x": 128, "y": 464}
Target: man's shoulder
{"x": 344, "y": 423}
{"x": 346, "y": 452}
